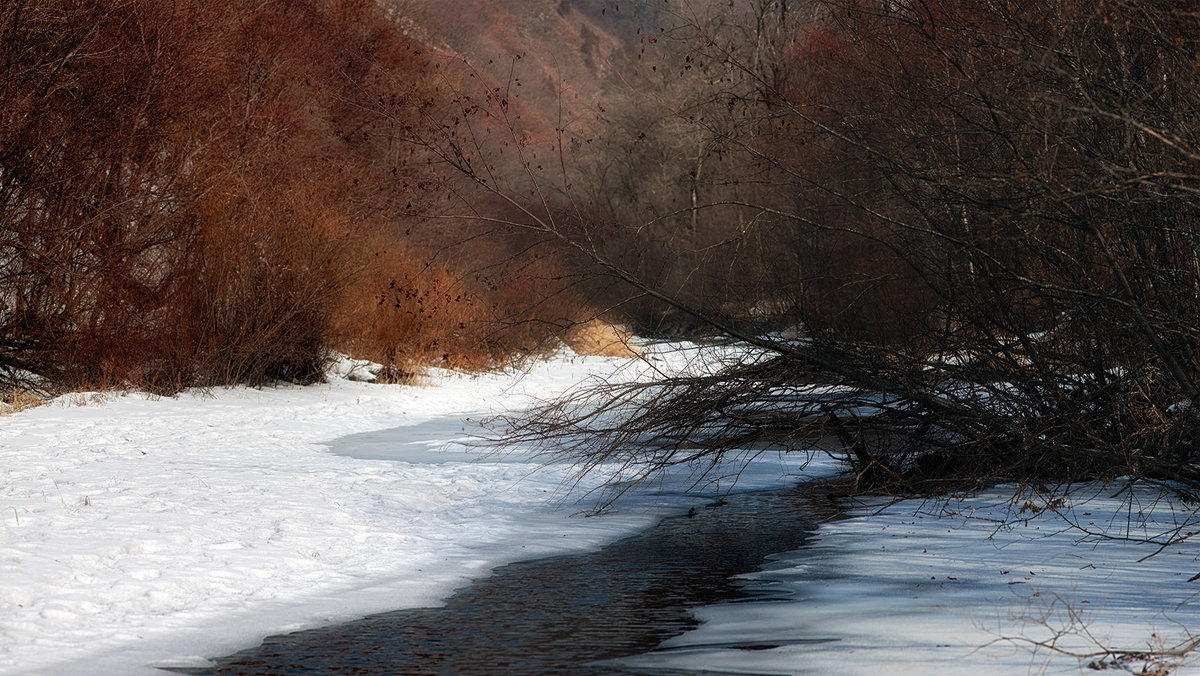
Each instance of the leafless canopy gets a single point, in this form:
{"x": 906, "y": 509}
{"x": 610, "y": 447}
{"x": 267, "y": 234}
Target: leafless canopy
{"x": 977, "y": 222}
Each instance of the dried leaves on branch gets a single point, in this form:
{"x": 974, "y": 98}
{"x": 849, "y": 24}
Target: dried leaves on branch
{"x": 195, "y": 194}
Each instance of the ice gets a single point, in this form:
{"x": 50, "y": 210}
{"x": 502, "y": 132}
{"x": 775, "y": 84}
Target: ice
{"x": 140, "y": 531}
{"x": 965, "y": 587}
{"x": 448, "y": 439}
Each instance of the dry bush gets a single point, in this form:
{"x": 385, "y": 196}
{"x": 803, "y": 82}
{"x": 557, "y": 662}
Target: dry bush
{"x": 598, "y": 338}
{"x": 403, "y": 313}
{"x": 96, "y": 160}
{"x": 264, "y": 285}
{"x": 19, "y": 400}
{"x": 314, "y": 172}
{"x": 183, "y": 188}
{"x": 477, "y": 306}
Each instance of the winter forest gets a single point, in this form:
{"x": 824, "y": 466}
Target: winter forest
{"x": 943, "y": 199}
{"x": 952, "y": 244}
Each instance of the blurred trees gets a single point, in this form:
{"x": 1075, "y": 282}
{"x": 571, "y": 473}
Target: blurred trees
{"x": 978, "y": 217}
{"x": 959, "y": 236}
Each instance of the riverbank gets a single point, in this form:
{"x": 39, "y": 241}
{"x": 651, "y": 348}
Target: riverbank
{"x": 143, "y": 532}
{"x": 1062, "y": 584}
{"x": 561, "y": 615}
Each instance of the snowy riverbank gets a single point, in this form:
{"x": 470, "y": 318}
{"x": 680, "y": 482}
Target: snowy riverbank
{"x": 143, "y": 532}
{"x": 915, "y": 588}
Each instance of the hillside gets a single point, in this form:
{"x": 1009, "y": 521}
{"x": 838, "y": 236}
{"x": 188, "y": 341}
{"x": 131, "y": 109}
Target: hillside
{"x": 561, "y": 58}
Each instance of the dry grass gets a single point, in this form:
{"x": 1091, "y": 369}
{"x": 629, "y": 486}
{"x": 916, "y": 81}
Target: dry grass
{"x": 18, "y": 400}
{"x": 597, "y": 338}
{"x": 479, "y": 308}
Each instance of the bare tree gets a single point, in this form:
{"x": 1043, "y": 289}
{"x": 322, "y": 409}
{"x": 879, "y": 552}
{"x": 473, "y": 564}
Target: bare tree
{"x": 981, "y": 219}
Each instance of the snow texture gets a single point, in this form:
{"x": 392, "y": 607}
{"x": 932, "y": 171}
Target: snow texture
{"x": 975, "y": 587}
{"x": 142, "y": 532}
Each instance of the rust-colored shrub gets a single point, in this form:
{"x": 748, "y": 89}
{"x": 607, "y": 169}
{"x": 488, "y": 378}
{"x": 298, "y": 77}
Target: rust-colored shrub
{"x": 197, "y": 193}
{"x": 478, "y": 308}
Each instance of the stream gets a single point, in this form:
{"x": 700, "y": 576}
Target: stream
{"x": 565, "y": 614}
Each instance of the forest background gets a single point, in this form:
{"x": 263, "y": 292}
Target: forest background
{"x": 964, "y": 231}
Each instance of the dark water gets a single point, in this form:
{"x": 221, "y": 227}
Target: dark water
{"x": 559, "y": 615}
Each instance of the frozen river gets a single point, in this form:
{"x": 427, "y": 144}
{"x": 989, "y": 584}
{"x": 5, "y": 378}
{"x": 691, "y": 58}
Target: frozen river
{"x": 144, "y": 533}
{"x": 569, "y": 614}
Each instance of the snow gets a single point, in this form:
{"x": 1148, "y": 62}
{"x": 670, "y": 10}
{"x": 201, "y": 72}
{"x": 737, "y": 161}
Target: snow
{"x": 962, "y": 587}
{"x": 142, "y": 532}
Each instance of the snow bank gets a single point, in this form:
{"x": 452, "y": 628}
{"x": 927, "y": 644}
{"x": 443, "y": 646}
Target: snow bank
{"x": 142, "y": 532}
{"x": 911, "y": 589}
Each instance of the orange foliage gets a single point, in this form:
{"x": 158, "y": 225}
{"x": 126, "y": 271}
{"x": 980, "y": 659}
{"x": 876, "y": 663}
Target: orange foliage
{"x": 190, "y": 194}
{"x": 476, "y": 311}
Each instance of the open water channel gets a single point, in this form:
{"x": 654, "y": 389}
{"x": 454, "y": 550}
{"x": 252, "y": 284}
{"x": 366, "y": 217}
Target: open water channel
{"x": 568, "y": 614}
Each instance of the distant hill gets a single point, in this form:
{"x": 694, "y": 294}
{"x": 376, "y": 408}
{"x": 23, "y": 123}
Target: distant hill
{"x": 560, "y": 57}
